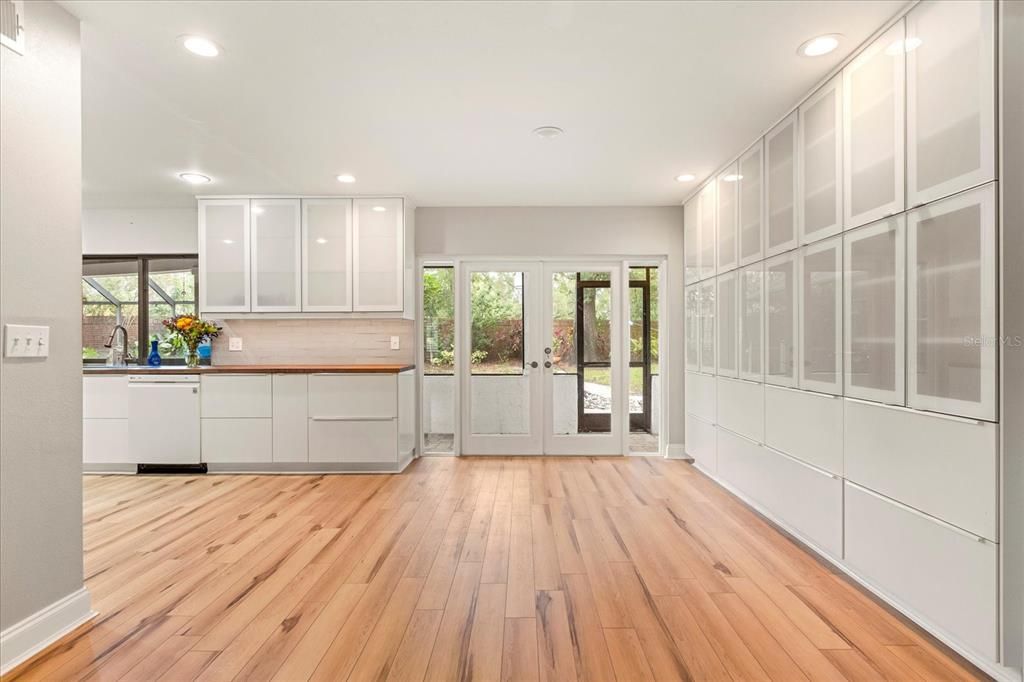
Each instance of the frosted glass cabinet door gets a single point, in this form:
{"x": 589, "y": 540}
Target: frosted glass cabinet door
{"x": 691, "y": 239}
{"x": 708, "y": 210}
{"x": 781, "y": 185}
{"x": 751, "y": 205}
{"x": 821, "y": 163}
{"x": 693, "y": 311}
{"x": 951, "y": 305}
{"x": 327, "y": 255}
{"x": 873, "y": 99}
{"x": 224, "y": 255}
{"x": 821, "y": 306}
{"x": 707, "y": 326}
{"x": 950, "y": 98}
{"x": 276, "y": 255}
{"x": 727, "y": 329}
{"x": 726, "y": 190}
{"x": 780, "y": 284}
{"x": 874, "y": 297}
{"x": 378, "y": 254}
{"x": 751, "y": 321}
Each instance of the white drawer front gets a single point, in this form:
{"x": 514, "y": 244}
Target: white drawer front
{"x": 353, "y": 441}
{"x": 700, "y": 443}
{"x": 946, "y": 468}
{"x": 944, "y": 574}
{"x": 808, "y": 426}
{"x": 371, "y": 396}
{"x": 237, "y": 440}
{"x": 290, "y": 418}
{"x": 741, "y": 407}
{"x": 105, "y": 441}
{"x": 700, "y": 395}
{"x": 236, "y": 395}
{"x": 105, "y": 397}
{"x": 807, "y": 500}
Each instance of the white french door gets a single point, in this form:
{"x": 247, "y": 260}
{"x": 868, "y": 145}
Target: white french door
{"x": 539, "y": 357}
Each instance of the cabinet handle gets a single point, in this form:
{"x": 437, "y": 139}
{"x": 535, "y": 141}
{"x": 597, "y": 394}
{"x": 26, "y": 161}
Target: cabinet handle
{"x": 352, "y": 419}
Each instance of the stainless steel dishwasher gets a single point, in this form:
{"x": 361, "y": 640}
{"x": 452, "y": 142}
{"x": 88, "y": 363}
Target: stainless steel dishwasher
{"x": 163, "y": 418}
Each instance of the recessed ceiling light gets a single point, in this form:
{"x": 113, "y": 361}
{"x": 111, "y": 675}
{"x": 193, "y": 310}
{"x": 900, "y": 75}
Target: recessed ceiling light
{"x": 257, "y": 210}
{"x": 379, "y": 209}
{"x": 228, "y": 241}
{"x": 816, "y": 47}
{"x": 686, "y": 177}
{"x": 204, "y": 47}
{"x": 321, "y": 240}
{"x": 193, "y": 178}
{"x": 732, "y": 177}
{"x": 908, "y": 45}
{"x": 345, "y": 177}
{"x": 548, "y": 132}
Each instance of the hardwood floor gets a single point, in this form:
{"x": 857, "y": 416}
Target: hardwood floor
{"x": 466, "y": 569}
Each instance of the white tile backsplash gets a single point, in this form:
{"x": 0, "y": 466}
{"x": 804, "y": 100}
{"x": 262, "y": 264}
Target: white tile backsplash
{"x": 314, "y": 341}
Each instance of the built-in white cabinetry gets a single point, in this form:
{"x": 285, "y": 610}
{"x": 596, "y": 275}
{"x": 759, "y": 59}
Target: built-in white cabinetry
{"x": 327, "y": 255}
{"x": 237, "y": 411}
{"x": 707, "y": 326}
{"x": 290, "y": 408}
{"x": 691, "y": 240}
{"x": 805, "y": 425}
{"x": 780, "y": 326}
{"x": 821, "y": 163}
{"x": 378, "y": 255}
{"x": 105, "y": 420}
{"x": 224, "y": 255}
{"x": 276, "y": 255}
{"x": 740, "y": 407}
{"x": 701, "y": 443}
{"x": 726, "y": 324}
{"x": 874, "y": 311}
{"x": 692, "y": 312}
{"x": 951, "y": 305}
{"x": 750, "y": 318}
{"x": 873, "y": 121}
{"x": 821, "y": 316}
{"x": 781, "y": 183}
{"x": 708, "y": 233}
{"x": 700, "y": 396}
{"x": 751, "y": 204}
{"x": 726, "y": 192}
{"x": 951, "y": 123}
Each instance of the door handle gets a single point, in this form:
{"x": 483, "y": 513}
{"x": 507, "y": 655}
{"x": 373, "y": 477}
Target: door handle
{"x": 533, "y": 364}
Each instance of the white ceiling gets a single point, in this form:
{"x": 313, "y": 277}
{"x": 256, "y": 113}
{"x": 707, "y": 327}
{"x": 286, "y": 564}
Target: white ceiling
{"x": 436, "y": 100}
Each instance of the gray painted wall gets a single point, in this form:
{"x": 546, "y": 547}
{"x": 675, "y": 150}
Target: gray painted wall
{"x": 40, "y": 267}
{"x": 573, "y": 231}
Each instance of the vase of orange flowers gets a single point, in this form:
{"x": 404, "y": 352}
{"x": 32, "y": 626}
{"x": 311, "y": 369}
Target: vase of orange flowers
{"x": 192, "y": 331}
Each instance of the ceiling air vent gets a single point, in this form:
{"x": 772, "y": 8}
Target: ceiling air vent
{"x": 12, "y": 29}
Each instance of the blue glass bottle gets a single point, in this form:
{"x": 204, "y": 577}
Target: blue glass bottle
{"x": 154, "y": 355}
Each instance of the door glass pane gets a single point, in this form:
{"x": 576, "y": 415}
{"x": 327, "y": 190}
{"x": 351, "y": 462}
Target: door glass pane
{"x": 499, "y": 384}
{"x": 274, "y": 227}
{"x": 727, "y": 324}
{"x": 727, "y": 219}
{"x": 597, "y": 313}
{"x": 707, "y": 327}
{"x": 110, "y": 296}
{"x": 172, "y": 291}
{"x": 781, "y": 190}
{"x": 949, "y": 293}
{"x": 872, "y": 315}
{"x": 780, "y": 287}
{"x": 693, "y": 312}
{"x": 821, "y": 273}
{"x": 750, "y": 204}
{"x": 226, "y": 256}
{"x": 644, "y": 382}
{"x": 750, "y": 322}
{"x": 820, "y": 183}
{"x": 439, "y": 358}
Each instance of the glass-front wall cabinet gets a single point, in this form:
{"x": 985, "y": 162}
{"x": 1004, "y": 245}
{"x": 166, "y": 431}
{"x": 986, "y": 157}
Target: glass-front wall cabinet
{"x": 751, "y": 205}
{"x": 874, "y": 295}
{"x": 821, "y": 300}
{"x": 327, "y": 255}
{"x": 276, "y": 255}
{"x": 378, "y": 249}
{"x": 821, "y": 168}
{"x": 707, "y": 326}
{"x": 781, "y": 185}
{"x": 706, "y": 201}
{"x": 691, "y": 239}
{"x": 224, "y": 255}
{"x": 751, "y": 321}
{"x": 780, "y": 284}
{"x": 726, "y": 191}
{"x": 692, "y": 312}
{"x": 726, "y": 319}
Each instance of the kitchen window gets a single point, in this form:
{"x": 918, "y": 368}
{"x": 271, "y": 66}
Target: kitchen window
{"x": 138, "y": 293}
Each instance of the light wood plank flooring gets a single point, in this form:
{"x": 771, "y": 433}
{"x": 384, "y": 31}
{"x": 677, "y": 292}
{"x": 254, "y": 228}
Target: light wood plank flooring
{"x": 467, "y": 569}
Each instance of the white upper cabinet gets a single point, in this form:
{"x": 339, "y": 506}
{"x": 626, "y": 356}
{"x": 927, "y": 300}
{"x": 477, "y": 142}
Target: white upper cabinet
{"x": 874, "y": 295}
{"x": 224, "y": 255}
{"x": 751, "y": 205}
{"x": 751, "y": 321}
{"x": 821, "y": 321}
{"x": 873, "y": 120}
{"x": 708, "y": 209}
{"x": 821, "y": 163}
{"x": 727, "y": 193}
{"x": 691, "y": 239}
{"x": 726, "y": 324}
{"x": 951, "y": 126}
{"x": 780, "y": 295}
{"x": 707, "y": 326}
{"x": 781, "y": 185}
{"x": 327, "y": 255}
{"x": 378, "y": 254}
{"x": 951, "y": 305}
{"x": 276, "y": 255}
{"x": 693, "y": 312}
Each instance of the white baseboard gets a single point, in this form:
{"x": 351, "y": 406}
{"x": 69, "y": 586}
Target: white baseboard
{"x": 28, "y": 637}
{"x": 676, "y": 451}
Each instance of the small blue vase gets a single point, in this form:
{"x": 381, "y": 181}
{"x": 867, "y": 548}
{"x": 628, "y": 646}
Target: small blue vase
{"x": 154, "y": 355}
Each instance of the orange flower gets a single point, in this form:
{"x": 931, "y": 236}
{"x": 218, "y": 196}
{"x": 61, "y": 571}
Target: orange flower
{"x": 184, "y": 323}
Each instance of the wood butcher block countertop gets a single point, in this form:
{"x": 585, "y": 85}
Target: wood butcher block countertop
{"x": 377, "y": 368}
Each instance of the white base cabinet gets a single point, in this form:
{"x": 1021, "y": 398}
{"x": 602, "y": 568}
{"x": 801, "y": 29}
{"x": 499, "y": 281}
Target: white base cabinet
{"x": 237, "y": 440}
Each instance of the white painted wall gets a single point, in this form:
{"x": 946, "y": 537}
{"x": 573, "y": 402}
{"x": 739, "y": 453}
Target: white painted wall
{"x": 553, "y": 232}
{"x": 139, "y": 230}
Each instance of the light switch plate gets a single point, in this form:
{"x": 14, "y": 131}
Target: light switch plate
{"x": 26, "y": 341}
{"x": 395, "y": 345}
{"x": 235, "y": 343}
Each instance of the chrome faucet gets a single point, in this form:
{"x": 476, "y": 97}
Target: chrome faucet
{"x": 118, "y": 353}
